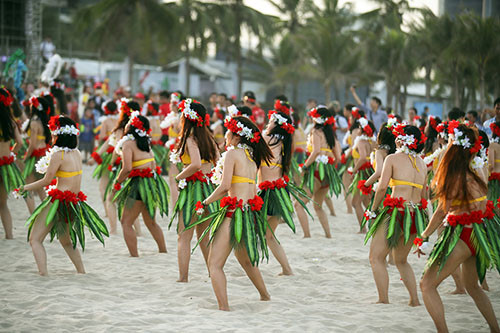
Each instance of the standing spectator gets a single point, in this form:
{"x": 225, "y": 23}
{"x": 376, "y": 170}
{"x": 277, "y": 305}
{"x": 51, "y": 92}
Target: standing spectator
{"x": 98, "y": 97}
{"x": 258, "y": 115}
{"x": 456, "y": 114}
{"x": 487, "y": 123}
{"x": 375, "y": 113}
{"x": 412, "y": 116}
{"x": 473, "y": 118}
{"x": 87, "y": 125}
{"x": 340, "y": 121}
{"x": 425, "y": 114}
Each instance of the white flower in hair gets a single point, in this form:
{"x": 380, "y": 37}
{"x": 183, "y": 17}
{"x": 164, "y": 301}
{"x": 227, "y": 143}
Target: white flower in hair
{"x": 169, "y": 120}
{"x": 363, "y": 122}
{"x": 68, "y": 130}
{"x": 232, "y": 111}
{"x": 279, "y": 119}
{"x": 391, "y": 122}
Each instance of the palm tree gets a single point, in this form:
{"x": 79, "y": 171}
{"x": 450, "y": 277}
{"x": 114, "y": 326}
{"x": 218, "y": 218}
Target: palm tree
{"x": 136, "y": 26}
{"x": 231, "y": 19}
{"x": 198, "y": 29}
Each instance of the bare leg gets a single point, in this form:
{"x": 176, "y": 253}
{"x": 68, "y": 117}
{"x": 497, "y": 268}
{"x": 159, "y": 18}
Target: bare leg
{"x": 318, "y": 197}
{"x": 154, "y": 229}
{"x": 253, "y": 273}
{"x": 485, "y": 286}
{"x": 378, "y": 252}
{"x": 73, "y": 254}
{"x": 431, "y": 280}
{"x": 5, "y": 213}
{"x": 329, "y": 204}
{"x": 276, "y": 247}
{"x": 219, "y": 251}
{"x": 38, "y": 234}
{"x": 357, "y": 204}
{"x": 102, "y": 188}
{"x": 457, "y": 277}
{"x": 407, "y": 275}
{"x": 137, "y": 227}
{"x": 470, "y": 278}
{"x": 183, "y": 250}
{"x": 303, "y": 219}
{"x": 112, "y": 216}
{"x": 200, "y": 228}
{"x": 30, "y": 200}
{"x": 174, "y": 192}
{"x": 347, "y": 180}
{"x": 128, "y": 217}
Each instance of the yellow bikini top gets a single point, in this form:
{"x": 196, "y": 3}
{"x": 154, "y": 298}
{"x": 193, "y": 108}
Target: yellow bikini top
{"x": 172, "y": 133}
{"x": 310, "y": 148}
{"x": 396, "y": 182}
{"x": 301, "y": 143}
{"x": 355, "y": 153}
{"x": 459, "y": 202}
{"x": 141, "y": 162}
{"x": 155, "y": 135}
{"x": 241, "y": 180}
{"x": 497, "y": 161}
{"x": 219, "y": 136}
{"x": 67, "y": 174}
{"x": 39, "y": 137}
{"x": 186, "y": 159}
{"x": 278, "y": 165}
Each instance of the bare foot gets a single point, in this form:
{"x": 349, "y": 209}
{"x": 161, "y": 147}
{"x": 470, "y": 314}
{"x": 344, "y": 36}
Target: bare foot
{"x": 307, "y": 236}
{"x": 361, "y": 232}
{"x": 333, "y": 214}
{"x": 382, "y": 302}
{"x": 185, "y": 280}
{"x": 162, "y": 251}
{"x": 265, "y": 297}
{"x": 414, "y": 303}
{"x": 349, "y": 211}
{"x": 328, "y": 236}
{"x": 458, "y": 292}
{"x": 286, "y": 273}
{"x": 224, "y": 309}
{"x": 485, "y": 286}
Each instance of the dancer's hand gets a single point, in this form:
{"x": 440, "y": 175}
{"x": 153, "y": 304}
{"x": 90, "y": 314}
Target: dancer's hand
{"x": 422, "y": 245}
{"x": 200, "y": 208}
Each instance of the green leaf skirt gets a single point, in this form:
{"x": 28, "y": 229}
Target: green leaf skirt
{"x": 69, "y": 210}
{"x": 10, "y": 174}
{"x": 326, "y": 174}
{"x": 494, "y": 187}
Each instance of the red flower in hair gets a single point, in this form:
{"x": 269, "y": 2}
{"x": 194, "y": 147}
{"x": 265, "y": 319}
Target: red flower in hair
{"x": 6, "y": 100}
{"x": 207, "y": 119}
{"x": 441, "y": 127}
{"x": 495, "y": 129}
{"x": 288, "y": 128}
{"x": 433, "y": 122}
{"x": 256, "y": 137}
{"x": 398, "y": 130}
{"x": 125, "y": 108}
{"x": 477, "y": 145}
{"x": 282, "y": 106}
{"x": 368, "y": 130}
{"x": 452, "y": 125}
{"x": 331, "y": 121}
{"x": 355, "y": 113}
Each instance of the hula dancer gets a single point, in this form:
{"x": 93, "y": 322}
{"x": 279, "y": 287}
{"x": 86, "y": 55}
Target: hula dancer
{"x": 39, "y": 138}
{"x": 108, "y": 121}
{"x": 494, "y": 163}
{"x": 159, "y": 149}
{"x": 198, "y": 152}
{"x": 403, "y": 215}
{"x": 10, "y": 176}
{"x": 362, "y": 170}
{"x": 274, "y": 184}
{"x": 143, "y": 190}
{"x": 217, "y": 127}
{"x": 239, "y": 224}
{"x": 299, "y": 148}
{"x": 471, "y": 228}
{"x": 64, "y": 213}
{"x": 386, "y": 145}
{"x": 320, "y": 175}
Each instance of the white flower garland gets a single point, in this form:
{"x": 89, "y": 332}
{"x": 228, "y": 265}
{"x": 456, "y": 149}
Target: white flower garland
{"x": 43, "y": 163}
{"x": 119, "y": 144}
{"x": 169, "y": 120}
{"x": 182, "y": 184}
{"x": 459, "y": 139}
{"x": 430, "y": 159}
{"x": 406, "y": 151}
{"x": 112, "y": 139}
{"x": 188, "y": 112}
{"x": 480, "y": 160}
{"x": 68, "y": 130}
{"x": 216, "y": 124}
{"x": 364, "y": 137}
{"x": 219, "y": 167}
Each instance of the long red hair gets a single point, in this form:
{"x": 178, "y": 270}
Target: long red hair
{"x": 451, "y": 178}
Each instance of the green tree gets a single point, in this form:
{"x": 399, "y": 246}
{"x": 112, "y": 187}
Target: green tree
{"x": 137, "y": 27}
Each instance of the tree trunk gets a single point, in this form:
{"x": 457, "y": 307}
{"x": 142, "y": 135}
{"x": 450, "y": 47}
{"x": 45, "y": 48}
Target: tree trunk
{"x": 188, "y": 69}
{"x": 396, "y": 103}
{"x": 336, "y": 91}
{"x": 428, "y": 83}
{"x": 130, "y": 69}
{"x": 388, "y": 88}
{"x": 239, "y": 60}
{"x": 328, "y": 89}
{"x": 456, "y": 91}
{"x": 404, "y": 97}
{"x": 295, "y": 92}
{"x": 481, "y": 89}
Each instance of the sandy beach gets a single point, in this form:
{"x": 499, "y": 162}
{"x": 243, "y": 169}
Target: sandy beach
{"x": 332, "y": 289}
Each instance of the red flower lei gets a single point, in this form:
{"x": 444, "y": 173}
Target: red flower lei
{"x": 393, "y": 202}
{"x": 40, "y": 152}
{"x": 494, "y": 176}
{"x": 197, "y": 176}
{"x": 423, "y": 203}
{"x": 343, "y": 159}
{"x": 466, "y": 219}
{"x": 110, "y": 149}
{"x": 95, "y": 155}
{"x": 366, "y": 165}
{"x": 365, "y": 190}
{"x": 274, "y": 184}
{"x": 256, "y": 203}
{"x": 231, "y": 203}
{"x": 66, "y": 196}
{"x": 6, "y": 160}
{"x": 143, "y": 173}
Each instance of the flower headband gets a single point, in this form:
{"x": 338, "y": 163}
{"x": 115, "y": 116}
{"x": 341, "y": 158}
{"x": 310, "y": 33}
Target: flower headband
{"x": 6, "y": 100}
{"x": 433, "y": 122}
{"x": 56, "y": 129}
{"x": 137, "y": 123}
{"x": 238, "y": 128}
{"x": 391, "y": 122}
{"x": 282, "y": 121}
{"x": 442, "y": 129}
{"x": 187, "y": 112}
{"x": 495, "y": 129}
{"x": 407, "y": 140}
{"x": 175, "y": 98}
{"x": 365, "y": 126}
{"x": 282, "y": 106}
{"x": 57, "y": 85}
{"x": 151, "y": 108}
{"x": 318, "y": 119}
{"x": 124, "y": 106}
{"x": 355, "y": 113}
{"x": 460, "y": 139}
{"x": 107, "y": 111}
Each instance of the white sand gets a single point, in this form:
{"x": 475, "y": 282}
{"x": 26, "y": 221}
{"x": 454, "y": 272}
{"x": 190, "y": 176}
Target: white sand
{"x": 332, "y": 289}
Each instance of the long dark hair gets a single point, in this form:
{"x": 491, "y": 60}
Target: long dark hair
{"x": 386, "y": 138}
{"x": 57, "y": 90}
{"x": 281, "y": 136}
{"x": 296, "y": 119}
{"x": 66, "y": 140}
{"x": 125, "y": 115}
{"x": 417, "y": 134}
{"x": 49, "y": 98}
{"x": 261, "y": 152}
{"x": 450, "y": 179}
{"x": 141, "y": 141}
{"x": 42, "y": 116}
{"x": 7, "y": 124}
{"x": 201, "y": 134}
{"x": 355, "y": 123}
{"x": 431, "y": 133}
{"x": 326, "y": 128}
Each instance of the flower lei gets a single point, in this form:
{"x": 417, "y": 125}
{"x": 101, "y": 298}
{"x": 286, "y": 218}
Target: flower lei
{"x": 6, "y": 160}
{"x": 274, "y": 184}
{"x": 217, "y": 170}
{"x": 56, "y": 129}
{"x": 66, "y": 196}
{"x": 169, "y": 120}
{"x": 442, "y": 130}
{"x": 363, "y": 122}
{"x": 238, "y": 128}
{"x": 481, "y": 159}
{"x": 460, "y": 139}
{"x": 408, "y": 141}
{"x": 138, "y": 125}
{"x": 364, "y": 137}
{"x": 6, "y": 100}
{"x": 323, "y": 159}
{"x": 282, "y": 121}
{"x": 318, "y": 119}
{"x": 365, "y": 190}
{"x": 43, "y": 163}
{"x": 119, "y": 144}
{"x": 187, "y": 112}
{"x": 428, "y": 160}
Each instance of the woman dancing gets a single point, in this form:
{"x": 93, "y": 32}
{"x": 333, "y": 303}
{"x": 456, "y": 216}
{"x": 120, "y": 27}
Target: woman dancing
{"x": 143, "y": 190}
{"x": 10, "y": 176}
{"x": 239, "y": 224}
{"x": 39, "y": 138}
{"x": 64, "y": 213}
{"x": 494, "y": 163}
{"x": 403, "y": 215}
{"x": 471, "y": 234}
{"x": 320, "y": 175}
{"x": 108, "y": 121}
{"x": 198, "y": 152}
